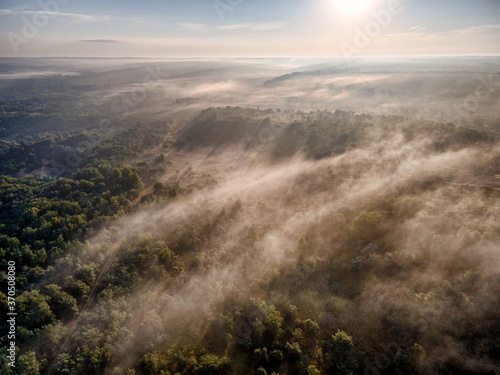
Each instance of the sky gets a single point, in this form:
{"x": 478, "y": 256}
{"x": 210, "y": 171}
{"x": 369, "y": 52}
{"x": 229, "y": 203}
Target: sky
{"x": 257, "y": 28}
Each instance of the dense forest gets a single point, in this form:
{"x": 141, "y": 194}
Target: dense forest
{"x": 247, "y": 241}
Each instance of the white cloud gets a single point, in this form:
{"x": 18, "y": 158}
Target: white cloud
{"x": 476, "y": 29}
{"x": 418, "y": 28}
{"x": 268, "y": 26}
{"x": 252, "y": 26}
{"x": 403, "y": 36}
{"x": 101, "y": 41}
{"x": 418, "y": 32}
{"x": 234, "y": 27}
{"x": 241, "y": 26}
{"x": 74, "y": 16}
{"x": 193, "y": 26}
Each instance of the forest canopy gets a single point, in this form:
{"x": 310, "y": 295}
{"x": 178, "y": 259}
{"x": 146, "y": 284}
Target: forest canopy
{"x": 240, "y": 240}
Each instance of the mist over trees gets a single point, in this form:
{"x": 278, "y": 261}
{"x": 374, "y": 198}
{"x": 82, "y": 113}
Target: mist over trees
{"x": 196, "y": 233}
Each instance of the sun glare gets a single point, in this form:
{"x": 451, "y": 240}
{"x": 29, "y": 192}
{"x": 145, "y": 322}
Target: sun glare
{"x": 352, "y": 6}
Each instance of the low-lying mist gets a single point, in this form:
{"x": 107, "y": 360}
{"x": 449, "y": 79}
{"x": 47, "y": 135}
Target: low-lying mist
{"x": 389, "y": 241}
{"x": 293, "y": 217}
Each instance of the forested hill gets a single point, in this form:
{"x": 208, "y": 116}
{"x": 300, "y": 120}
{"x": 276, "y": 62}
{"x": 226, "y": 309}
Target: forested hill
{"x": 253, "y": 241}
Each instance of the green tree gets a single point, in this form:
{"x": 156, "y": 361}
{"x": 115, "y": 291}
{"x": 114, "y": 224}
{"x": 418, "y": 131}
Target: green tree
{"x": 34, "y": 310}
{"x": 155, "y": 363}
{"x": 27, "y": 364}
{"x": 210, "y": 364}
{"x": 61, "y": 303}
{"x": 340, "y": 357}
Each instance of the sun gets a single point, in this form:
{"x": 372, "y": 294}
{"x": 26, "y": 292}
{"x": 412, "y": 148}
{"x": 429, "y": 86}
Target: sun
{"x": 352, "y": 6}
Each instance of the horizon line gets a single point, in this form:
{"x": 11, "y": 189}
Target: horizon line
{"x": 250, "y": 57}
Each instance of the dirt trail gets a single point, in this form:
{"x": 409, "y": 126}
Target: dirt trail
{"x": 113, "y": 251}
